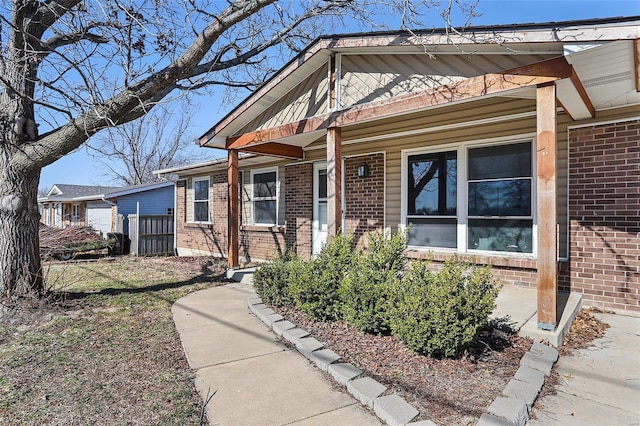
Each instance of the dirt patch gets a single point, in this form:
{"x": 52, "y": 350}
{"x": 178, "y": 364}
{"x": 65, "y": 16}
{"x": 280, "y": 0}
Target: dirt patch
{"x": 447, "y": 391}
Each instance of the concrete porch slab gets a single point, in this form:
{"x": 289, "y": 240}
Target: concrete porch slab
{"x": 516, "y": 308}
{"x": 244, "y": 276}
{"x": 568, "y": 306}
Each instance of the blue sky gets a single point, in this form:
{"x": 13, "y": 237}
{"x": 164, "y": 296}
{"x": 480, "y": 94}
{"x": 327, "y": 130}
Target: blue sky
{"x": 79, "y": 168}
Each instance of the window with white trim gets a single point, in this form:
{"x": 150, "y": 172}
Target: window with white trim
{"x": 500, "y": 198}
{"x": 201, "y": 200}
{"x": 432, "y": 199}
{"x": 470, "y": 198}
{"x": 264, "y": 196}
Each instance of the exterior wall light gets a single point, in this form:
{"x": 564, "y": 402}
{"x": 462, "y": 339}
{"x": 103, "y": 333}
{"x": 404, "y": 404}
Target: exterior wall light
{"x": 363, "y": 170}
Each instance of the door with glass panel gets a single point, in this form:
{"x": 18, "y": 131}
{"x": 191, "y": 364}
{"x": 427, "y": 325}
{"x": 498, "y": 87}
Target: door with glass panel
{"x": 319, "y": 229}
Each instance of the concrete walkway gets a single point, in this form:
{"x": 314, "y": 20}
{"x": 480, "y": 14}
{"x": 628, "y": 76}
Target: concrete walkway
{"x": 599, "y": 385}
{"x": 257, "y": 380}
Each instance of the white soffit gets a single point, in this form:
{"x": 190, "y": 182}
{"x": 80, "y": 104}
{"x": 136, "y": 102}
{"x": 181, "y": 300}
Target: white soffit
{"x": 607, "y": 74}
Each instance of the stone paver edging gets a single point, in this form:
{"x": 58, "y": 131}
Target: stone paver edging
{"x": 391, "y": 409}
{"x": 511, "y": 409}
{"x": 514, "y": 407}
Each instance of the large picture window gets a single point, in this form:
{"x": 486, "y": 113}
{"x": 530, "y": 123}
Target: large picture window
{"x": 264, "y": 185}
{"x": 201, "y": 200}
{"x": 495, "y": 183}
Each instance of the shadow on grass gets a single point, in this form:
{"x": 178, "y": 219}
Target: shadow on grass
{"x": 206, "y": 276}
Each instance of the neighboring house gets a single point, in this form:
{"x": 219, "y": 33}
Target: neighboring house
{"x": 76, "y": 205}
{"x": 148, "y": 199}
{"x": 514, "y": 146}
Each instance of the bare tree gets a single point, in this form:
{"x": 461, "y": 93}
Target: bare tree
{"x": 157, "y": 140}
{"x": 77, "y": 67}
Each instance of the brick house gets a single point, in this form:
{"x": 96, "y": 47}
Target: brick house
{"x": 77, "y": 205}
{"x": 515, "y": 146}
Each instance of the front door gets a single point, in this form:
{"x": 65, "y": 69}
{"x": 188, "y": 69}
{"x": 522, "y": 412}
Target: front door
{"x": 319, "y": 232}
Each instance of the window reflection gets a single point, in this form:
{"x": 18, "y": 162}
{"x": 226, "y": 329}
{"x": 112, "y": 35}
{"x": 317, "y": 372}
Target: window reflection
{"x": 432, "y": 184}
{"x": 510, "y": 235}
{"x": 500, "y": 198}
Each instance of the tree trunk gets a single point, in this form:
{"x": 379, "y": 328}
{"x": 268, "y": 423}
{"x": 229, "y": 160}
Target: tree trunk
{"x": 20, "y": 266}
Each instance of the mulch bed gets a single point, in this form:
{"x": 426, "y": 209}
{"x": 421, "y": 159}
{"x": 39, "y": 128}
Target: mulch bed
{"x": 447, "y": 391}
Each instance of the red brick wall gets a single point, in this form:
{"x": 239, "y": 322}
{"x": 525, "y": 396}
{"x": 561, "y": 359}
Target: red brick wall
{"x": 510, "y": 271}
{"x": 364, "y": 197}
{"x": 211, "y": 238}
{"x": 604, "y": 216}
{"x": 298, "y": 212}
{"x": 256, "y": 242}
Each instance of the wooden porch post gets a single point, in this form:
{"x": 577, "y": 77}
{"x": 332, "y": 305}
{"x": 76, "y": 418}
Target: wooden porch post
{"x": 232, "y": 207}
{"x": 334, "y": 181}
{"x": 547, "y": 204}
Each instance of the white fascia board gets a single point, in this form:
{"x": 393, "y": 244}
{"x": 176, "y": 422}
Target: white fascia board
{"x": 144, "y": 188}
{"x": 219, "y": 142}
{"x": 56, "y": 189}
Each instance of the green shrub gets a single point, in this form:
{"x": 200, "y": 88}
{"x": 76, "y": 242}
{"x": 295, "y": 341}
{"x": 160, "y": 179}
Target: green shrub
{"x": 315, "y": 288}
{"x": 441, "y": 313}
{"x": 271, "y": 280}
{"x": 366, "y": 291}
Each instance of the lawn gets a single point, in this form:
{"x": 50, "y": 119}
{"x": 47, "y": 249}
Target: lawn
{"x": 106, "y": 350}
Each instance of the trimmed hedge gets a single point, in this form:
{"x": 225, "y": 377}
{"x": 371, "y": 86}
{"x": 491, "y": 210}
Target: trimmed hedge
{"x": 366, "y": 291}
{"x": 441, "y": 313}
{"x": 434, "y": 313}
{"x": 271, "y": 280}
{"x": 315, "y": 287}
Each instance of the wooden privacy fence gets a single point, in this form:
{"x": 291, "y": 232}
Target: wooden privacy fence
{"x": 151, "y": 234}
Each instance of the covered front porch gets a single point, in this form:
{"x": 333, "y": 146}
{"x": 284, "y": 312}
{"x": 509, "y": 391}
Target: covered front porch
{"x": 334, "y": 101}
{"x": 538, "y": 80}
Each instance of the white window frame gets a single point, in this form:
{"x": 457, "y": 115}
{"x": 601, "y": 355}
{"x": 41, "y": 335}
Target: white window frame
{"x": 462, "y": 215}
{"x": 194, "y": 201}
{"x": 253, "y": 198}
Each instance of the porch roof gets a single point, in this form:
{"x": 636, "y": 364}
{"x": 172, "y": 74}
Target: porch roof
{"x": 576, "y": 54}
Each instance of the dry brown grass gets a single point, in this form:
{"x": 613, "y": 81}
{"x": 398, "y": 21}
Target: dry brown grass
{"x": 107, "y": 352}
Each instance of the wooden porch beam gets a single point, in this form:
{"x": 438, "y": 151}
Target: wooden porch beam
{"x": 276, "y": 149}
{"x": 547, "y": 204}
{"x": 279, "y": 132}
{"x": 557, "y": 67}
{"x": 488, "y": 84}
{"x": 334, "y": 181}
{"x": 577, "y": 83}
{"x": 233, "y": 201}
